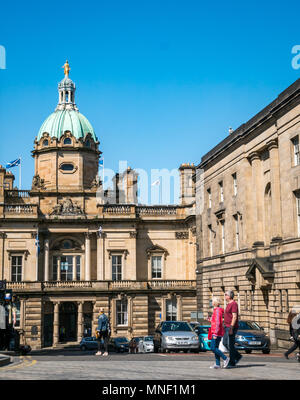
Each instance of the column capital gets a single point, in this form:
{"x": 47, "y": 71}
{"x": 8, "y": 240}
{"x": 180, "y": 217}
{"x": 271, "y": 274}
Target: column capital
{"x": 2, "y": 235}
{"x": 87, "y": 235}
{"x": 253, "y": 156}
{"x": 272, "y": 144}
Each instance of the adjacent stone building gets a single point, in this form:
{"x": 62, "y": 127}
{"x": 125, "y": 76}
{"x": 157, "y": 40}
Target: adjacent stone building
{"x": 66, "y": 249}
{"x": 248, "y": 216}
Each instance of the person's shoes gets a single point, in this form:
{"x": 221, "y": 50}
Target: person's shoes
{"x": 286, "y": 356}
{"x": 215, "y": 366}
{"x": 239, "y": 359}
{"x": 105, "y": 354}
{"x": 98, "y": 353}
{"x": 226, "y": 362}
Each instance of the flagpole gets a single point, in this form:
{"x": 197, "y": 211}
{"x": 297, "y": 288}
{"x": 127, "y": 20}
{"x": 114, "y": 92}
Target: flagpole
{"x": 37, "y": 239}
{"x": 20, "y": 175}
{"x": 103, "y": 174}
{"x": 160, "y": 190}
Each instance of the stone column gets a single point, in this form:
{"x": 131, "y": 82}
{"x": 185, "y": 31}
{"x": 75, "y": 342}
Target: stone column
{"x": 163, "y": 309}
{"x": 179, "y": 307}
{"x": 275, "y": 190}
{"x": 46, "y": 259}
{"x": 56, "y": 323}
{"x": 87, "y": 256}
{"x": 79, "y": 321}
{"x": 100, "y": 257}
{"x": 257, "y": 190}
{"x": 94, "y": 320}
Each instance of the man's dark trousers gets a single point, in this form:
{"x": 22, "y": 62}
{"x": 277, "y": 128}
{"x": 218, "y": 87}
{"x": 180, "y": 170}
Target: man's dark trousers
{"x": 233, "y": 353}
{"x": 103, "y": 335}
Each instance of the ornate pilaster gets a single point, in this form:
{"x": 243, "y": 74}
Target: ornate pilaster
{"x": 46, "y": 258}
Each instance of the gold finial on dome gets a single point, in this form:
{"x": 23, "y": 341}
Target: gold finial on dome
{"x": 66, "y": 68}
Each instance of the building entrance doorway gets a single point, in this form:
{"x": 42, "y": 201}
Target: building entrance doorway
{"x": 67, "y": 322}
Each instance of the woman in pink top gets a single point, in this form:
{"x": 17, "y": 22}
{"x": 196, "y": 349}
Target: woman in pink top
{"x": 217, "y": 332}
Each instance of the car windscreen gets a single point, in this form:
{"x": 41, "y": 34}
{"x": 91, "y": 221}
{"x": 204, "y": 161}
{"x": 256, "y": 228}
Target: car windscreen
{"x": 172, "y": 326}
{"x": 203, "y": 329}
{"x": 244, "y": 325}
{"x": 148, "y": 338}
{"x": 121, "y": 340}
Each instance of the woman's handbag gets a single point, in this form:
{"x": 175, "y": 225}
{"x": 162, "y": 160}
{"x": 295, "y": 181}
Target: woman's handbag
{"x": 222, "y": 347}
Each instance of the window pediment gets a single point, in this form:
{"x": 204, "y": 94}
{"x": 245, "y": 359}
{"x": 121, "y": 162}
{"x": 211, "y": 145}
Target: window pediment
{"x": 156, "y": 249}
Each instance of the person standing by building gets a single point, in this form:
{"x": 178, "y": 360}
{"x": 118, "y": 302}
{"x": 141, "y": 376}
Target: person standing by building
{"x": 231, "y": 321}
{"x": 217, "y": 332}
{"x": 102, "y": 333}
{"x": 293, "y": 320}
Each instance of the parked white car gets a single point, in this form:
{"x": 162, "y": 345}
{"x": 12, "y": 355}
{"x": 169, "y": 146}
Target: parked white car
{"x": 146, "y": 345}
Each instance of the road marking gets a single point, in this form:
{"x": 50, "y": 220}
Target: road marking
{"x": 24, "y": 362}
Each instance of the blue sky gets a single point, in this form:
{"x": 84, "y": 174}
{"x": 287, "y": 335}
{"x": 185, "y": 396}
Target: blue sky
{"x": 160, "y": 81}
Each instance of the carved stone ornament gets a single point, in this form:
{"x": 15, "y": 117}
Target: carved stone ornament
{"x": 38, "y": 183}
{"x": 96, "y": 182}
{"x": 182, "y": 235}
{"x": 66, "y": 207}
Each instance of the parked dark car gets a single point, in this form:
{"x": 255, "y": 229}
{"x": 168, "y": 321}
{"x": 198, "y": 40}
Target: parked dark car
{"x": 88, "y": 343}
{"x": 118, "y": 344}
{"x": 250, "y": 336}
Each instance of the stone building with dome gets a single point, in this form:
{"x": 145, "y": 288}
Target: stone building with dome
{"x": 65, "y": 252}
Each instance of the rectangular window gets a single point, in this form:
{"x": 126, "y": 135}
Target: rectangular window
{"x": 209, "y": 197}
{"x": 223, "y": 236}
{"x": 171, "y": 309}
{"x": 297, "y": 195}
{"x": 296, "y": 151}
{"x": 237, "y": 240}
{"x": 234, "y": 184}
{"x": 66, "y": 268}
{"x": 221, "y": 191}
{"x": 211, "y": 249}
{"x": 156, "y": 267}
{"x": 16, "y": 268}
{"x": 121, "y": 312}
{"x": 54, "y": 268}
{"x": 117, "y": 268}
{"x": 78, "y": 265}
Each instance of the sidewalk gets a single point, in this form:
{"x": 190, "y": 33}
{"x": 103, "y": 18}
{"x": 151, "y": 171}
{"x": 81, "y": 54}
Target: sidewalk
{"x": 4, "y": 360}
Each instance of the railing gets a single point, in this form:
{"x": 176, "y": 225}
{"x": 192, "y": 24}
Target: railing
{"x": 67, "y": 284}
{"x": 20, "y": 208}
{"x": 21, "y": 194}
{"x": 171, "y": 284}
{"x": 156, "y": 210}
{"x": 116, "y": 209}
{"x": 103, "y": 285}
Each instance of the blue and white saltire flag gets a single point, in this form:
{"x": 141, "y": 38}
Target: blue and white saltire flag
{"x": 100, "y": 162}
{"x": 37, "y": 243}
{"x": 13, "y": 163}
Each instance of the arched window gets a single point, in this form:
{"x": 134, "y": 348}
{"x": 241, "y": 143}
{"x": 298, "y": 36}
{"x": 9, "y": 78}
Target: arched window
{"x": 45, "y": 143}
{"x": 88, "y": 143}
{"x": 67, "y": 141}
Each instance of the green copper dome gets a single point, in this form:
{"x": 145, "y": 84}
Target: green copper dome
{"x": 66, "y": 116}
{"x": 67, "y": 120}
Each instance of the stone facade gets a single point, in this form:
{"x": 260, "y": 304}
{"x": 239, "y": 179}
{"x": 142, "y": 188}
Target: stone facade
{"x": 248, "y": 226}
{"x": 138, "y": 262}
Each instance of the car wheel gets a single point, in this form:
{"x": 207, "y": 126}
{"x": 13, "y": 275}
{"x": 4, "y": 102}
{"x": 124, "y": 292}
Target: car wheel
{"x": 83, "y": 348}
{"x": 266, "y": 351}
{"x": 248, "y": 351}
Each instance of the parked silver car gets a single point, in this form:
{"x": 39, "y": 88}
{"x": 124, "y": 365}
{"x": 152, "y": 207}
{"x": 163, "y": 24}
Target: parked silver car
{"x": 175, "y": 336}
{"x": 146, "y": 345}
